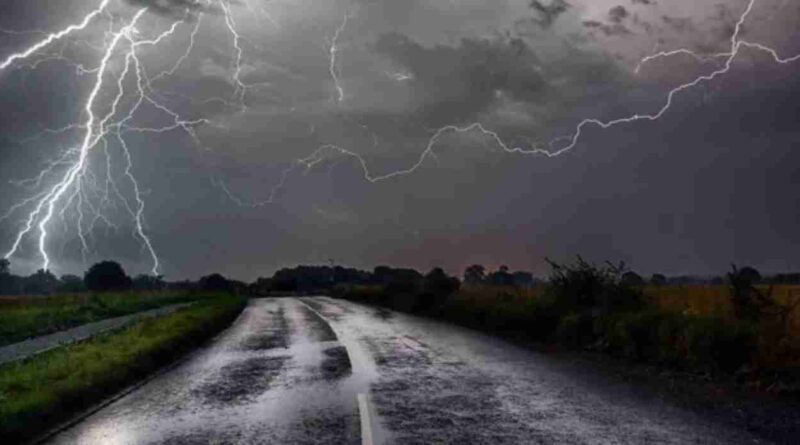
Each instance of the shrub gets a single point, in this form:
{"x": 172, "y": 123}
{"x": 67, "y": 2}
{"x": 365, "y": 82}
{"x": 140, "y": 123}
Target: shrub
{"x": 718, "y": 345}
{"x": 106, "y": 276}
{"x": 583, "y": 286}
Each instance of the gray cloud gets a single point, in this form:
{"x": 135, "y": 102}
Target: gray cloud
{"x": 455, "y": 83}
{"x": 614, "y": 29}
{"x": 617, "y": 14}
{"x": 679, "y": 24}
{"x": 548, "y": 13}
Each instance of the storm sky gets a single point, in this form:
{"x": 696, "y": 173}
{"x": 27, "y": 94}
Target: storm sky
{"x": 716, "y": 180}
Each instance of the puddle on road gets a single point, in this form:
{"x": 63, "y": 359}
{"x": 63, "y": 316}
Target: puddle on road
{"x": 336, "y": 363}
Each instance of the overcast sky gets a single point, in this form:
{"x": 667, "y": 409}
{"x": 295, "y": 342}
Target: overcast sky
{"x": 716, "y": 180}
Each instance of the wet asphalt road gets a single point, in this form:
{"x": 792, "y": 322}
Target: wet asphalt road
{"x": 289, "y": 371}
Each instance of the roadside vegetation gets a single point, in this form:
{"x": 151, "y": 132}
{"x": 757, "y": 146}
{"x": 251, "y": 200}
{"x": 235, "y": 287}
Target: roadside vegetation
{"x": 738, "y": 328}
{"x": 48, "y": 388}
{"x": 25, "y": 317}
{"x": 42, "y": 303}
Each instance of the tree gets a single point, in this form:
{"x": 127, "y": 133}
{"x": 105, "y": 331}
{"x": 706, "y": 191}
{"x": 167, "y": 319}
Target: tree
{"x": 522, "y": 279}
{"x": 475, "y": 274}
{"x": 748, "y": 301}
{"x": 215, "y": 283}
{"x": 71, "y": 283}
{"x": 632, "y": 278}
{"x": 501, "y": 277}
{"x": 436, "y": 287}
{"x": 437, "y": 282}
{"x": 658, "y": 279}
{"x": 149, "y": 282}
{"x": 5, "y": 266}
{"x": 750, "y": 274}
{"x": 106, "y": 276}
{"x": 42, "y": 282}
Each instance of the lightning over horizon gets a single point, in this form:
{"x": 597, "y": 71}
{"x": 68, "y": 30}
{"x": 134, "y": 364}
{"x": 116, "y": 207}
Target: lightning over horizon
{"x": 140, "y": 86}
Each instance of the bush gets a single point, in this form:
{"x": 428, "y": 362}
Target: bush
{"x": 106, "y": 276}
{"x": 718, "y": 345}
{"x": 638, "y": 336}
{"x": 575, "y": 330}
{"x": 582, "y": 286}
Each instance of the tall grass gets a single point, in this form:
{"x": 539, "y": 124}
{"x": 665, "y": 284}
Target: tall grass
{"x": 37, "y": 392}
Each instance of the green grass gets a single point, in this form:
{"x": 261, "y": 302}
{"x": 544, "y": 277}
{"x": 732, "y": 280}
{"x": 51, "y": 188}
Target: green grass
{"x": 47, "y": 388}
{"x": 26, "y": 317}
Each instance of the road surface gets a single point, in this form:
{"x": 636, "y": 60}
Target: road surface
{"x": 318, "y": 370}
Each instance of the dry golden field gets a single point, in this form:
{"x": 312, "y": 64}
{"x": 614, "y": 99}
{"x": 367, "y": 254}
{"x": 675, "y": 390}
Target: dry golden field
{"x": 715, "y": 300}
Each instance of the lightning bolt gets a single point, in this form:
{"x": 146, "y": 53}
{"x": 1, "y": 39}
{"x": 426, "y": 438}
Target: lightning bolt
{"x": 334, "y": 51}
{"x": 55, "y": 36}
{"x": 557, "y": 147}
{"x": 78, "y": 186}
{"x": 72, "y": 181}
{"x": 241, "y": 89}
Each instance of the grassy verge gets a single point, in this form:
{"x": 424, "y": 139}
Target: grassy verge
{"x": 45, "y": 389}
{"x": 26, "y": 317}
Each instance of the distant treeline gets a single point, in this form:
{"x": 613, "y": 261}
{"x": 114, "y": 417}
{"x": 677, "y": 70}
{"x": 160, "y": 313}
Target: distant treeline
{"x": 106, "y": 276}
{"x": 110, "y": 276}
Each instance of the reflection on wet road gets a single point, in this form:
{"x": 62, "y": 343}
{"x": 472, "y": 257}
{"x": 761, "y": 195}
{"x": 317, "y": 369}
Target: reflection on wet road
{"x": 292, "y": 371}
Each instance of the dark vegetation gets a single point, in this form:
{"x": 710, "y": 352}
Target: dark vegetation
{"x": 49, "y": 304}
{"x": 38, "y": 392}
{"x": 105, "y": 276}
{"x": 31, "y": 317}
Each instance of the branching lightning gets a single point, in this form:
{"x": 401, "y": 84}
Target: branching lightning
{"x": 74, "y": 181}
{"x": 552, "y": 149}
{"x": 78, "y": 187}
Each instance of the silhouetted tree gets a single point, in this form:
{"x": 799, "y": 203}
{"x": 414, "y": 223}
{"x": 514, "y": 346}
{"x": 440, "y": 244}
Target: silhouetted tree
{"x": 436, "y": 287}
{"x": 750, "y": 274}
{"x": 8, "y": 282}
{"x": 71, "y": 283}
{"x": 475, "y": 274}
{"x": 658, "y": 279}
{"x": 106, "y": 276}
{"x": 632, "y": 278}
{"x": 748, "y": 302}
{"x": 439, "y": 283}
{"x": 215, "y": 283}
{"x": 149, "y": 282}
{"x": 42, "y": 282}
{"x": 501, "y": 277}
{"x": 522, "y": 279}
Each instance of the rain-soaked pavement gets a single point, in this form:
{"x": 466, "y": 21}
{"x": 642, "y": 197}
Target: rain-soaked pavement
{"x": 290, "y": 371}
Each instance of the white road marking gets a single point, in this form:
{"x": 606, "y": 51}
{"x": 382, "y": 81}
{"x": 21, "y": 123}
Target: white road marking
{"x": 366, "y": 421}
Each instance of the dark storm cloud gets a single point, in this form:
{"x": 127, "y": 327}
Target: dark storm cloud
{"x": 616, "y": 17}
{"x": 617, "y": 14}
{"x": 171, "y": 7}
{"x": 614, "y": 29}
{"x": 455, "y": 83}
{"x": 548, "y": 13}
{"x": 714, "y": 181}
